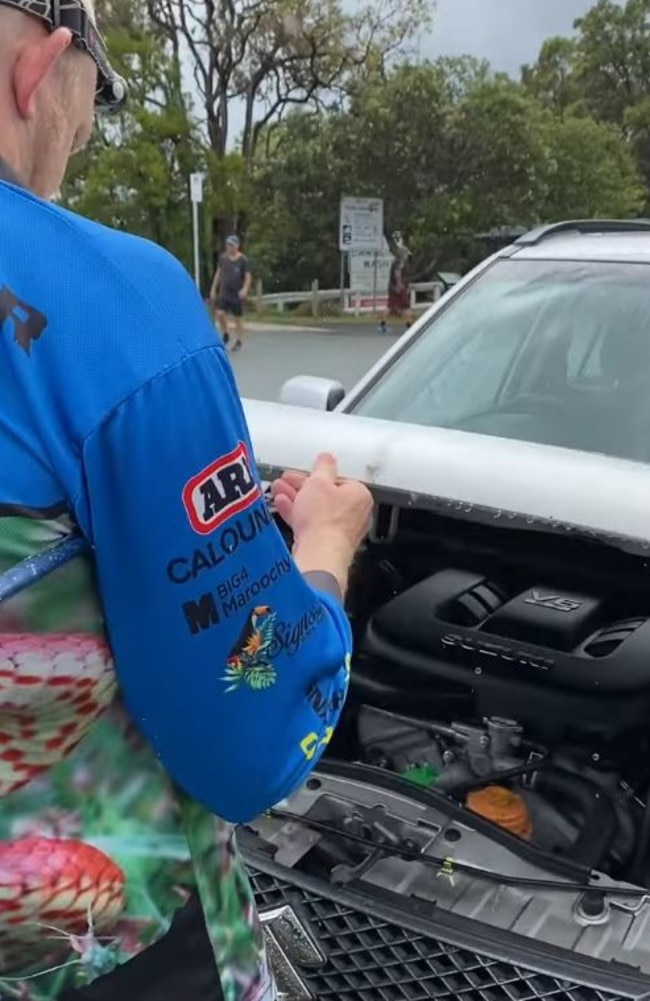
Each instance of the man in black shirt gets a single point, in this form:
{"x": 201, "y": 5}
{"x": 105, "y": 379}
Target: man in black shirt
{"x": 230, "y": 287}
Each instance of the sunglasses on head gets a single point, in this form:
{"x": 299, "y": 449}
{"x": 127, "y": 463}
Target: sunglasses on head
{"x": 112, "y": 89}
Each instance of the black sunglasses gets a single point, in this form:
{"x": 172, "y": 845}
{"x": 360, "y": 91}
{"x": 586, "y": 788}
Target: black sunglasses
{"x": 112, "y": 89}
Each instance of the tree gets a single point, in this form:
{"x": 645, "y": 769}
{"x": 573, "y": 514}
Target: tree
{"x": 295, "y": 196}
{"x": 591, "y": 172}
{"x": 636, "y": 126}
{"x": 135, "y": 171}
{"x": 603, "y": 73}
{"x": 396, "y": 141}
{"x": 498, "y": 137}
{"x": 452, "y": 150}
{"x": 273, "y": 55}
{"x": 605, "y": 67}
{"x": 552, "y": 79}
{"x": 612, "y": 61}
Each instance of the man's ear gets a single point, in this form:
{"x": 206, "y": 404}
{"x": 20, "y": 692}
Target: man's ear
{"x": 36, "y": 61}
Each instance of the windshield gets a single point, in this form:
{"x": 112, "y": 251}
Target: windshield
{"x": 550, "y": 352}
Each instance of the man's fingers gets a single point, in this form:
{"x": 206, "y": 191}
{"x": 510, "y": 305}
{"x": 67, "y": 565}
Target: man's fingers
{"x": 284, "y": 507}
{"x": 326, "y": 466}
{"x": 294, "y": 478}
{"x": 281, "y": 487}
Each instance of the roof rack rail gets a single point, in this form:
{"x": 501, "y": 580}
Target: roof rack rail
{"x": 584, "y": 226}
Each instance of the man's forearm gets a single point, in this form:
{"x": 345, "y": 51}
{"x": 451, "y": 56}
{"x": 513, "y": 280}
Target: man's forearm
{"x": 326, "y": 555}
{"x": 324, "y": 582}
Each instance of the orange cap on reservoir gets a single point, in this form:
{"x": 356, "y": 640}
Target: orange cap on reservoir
{"x": 505, "y": 808}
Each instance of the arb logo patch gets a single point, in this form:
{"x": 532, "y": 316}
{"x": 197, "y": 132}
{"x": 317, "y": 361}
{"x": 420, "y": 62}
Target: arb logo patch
{"x": 221, "y": 490}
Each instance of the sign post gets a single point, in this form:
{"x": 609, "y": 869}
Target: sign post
{"x": 196, "y": 194}
{"x": 361, "y": 228}
{"x": 374, "y": 283}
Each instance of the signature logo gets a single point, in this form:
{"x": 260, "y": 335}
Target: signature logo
{"x": 28, "y": 323}
{"x": 290, "y": 636}
{"x": 249, "y": 663}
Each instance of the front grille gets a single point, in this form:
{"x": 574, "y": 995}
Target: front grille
{"x": 371, "y": 959}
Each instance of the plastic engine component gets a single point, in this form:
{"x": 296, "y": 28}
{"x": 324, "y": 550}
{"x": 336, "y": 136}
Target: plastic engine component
{"x": 421, "y": 775}
{"x": 540, "y": 633}
{"x": 503, "y": 807}
{"x": 557, "y": 658}
{"x": 545, "y": 618}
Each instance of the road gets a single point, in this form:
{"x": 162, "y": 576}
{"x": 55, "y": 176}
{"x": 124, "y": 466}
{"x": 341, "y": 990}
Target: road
{"x": 273, "y": 354}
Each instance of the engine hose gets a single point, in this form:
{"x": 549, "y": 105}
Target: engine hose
{"x": 461, "y": 789}
{"x": 599, "y": 819}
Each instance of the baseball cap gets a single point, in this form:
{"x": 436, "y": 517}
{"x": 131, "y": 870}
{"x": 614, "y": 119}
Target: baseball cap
{"x": 76, "y": 16}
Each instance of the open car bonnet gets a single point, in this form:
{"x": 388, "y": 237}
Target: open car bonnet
{"x": 496, "y": 723}
{"x": 482, "y": 478}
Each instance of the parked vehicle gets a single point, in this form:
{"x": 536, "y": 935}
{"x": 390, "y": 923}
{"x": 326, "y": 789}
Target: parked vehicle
{"x": 480, "y": 826}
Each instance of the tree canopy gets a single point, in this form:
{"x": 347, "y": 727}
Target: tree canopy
{"x": 331, "y": 101}
{"x": 603, "y": 73}
{"x": 453, "y": 151}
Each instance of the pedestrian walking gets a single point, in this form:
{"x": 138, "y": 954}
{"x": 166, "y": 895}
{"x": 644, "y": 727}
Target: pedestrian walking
{"x": 399, "y": 293}
{"x": 230, "y": 288}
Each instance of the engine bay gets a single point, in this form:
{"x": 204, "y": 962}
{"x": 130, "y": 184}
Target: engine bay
{"x": 501, "y": 687}
{"x": 559, "y": 803}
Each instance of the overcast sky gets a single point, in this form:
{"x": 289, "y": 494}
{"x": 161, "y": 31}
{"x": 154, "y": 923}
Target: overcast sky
{"x": 507, "y": 32}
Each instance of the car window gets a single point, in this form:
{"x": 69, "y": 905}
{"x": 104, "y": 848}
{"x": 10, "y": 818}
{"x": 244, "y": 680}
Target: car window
{"x": 551, "y": 352}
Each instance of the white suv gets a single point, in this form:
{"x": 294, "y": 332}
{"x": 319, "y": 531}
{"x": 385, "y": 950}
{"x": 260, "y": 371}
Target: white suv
{"x": 480, "y": 827}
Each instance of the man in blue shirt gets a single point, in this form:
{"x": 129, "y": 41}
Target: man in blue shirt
{"x": 123, "y": 423}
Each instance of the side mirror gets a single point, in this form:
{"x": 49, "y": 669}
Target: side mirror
{"x": 312, "y": 391}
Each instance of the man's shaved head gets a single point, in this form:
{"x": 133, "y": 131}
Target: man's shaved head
{"x": 47, "y": 91}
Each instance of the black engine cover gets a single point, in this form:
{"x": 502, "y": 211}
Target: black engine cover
{"x": 540, "y": 652}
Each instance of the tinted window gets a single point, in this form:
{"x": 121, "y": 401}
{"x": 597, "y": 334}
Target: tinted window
{"x": 551, "y": 352}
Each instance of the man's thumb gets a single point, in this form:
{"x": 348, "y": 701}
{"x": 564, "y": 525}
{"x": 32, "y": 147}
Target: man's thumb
{"x": 327, "y": 466}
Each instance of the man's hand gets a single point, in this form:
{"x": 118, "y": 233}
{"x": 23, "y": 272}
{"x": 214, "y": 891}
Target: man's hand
{"x": 286, "y": 490}
{"x": 329, "y": 517}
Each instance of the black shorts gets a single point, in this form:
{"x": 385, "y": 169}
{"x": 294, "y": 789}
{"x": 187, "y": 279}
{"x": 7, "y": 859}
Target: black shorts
{"x": 231, "y": 306}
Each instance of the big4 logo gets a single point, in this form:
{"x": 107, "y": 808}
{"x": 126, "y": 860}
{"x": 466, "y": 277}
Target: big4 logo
{"x": 224, "y": 488}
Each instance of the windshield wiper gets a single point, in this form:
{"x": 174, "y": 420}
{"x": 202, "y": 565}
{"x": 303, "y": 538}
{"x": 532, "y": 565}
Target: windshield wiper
{"x": 449, "y": 866}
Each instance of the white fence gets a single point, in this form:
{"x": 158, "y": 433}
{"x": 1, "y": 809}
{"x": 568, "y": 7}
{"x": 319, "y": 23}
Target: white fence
{"x": 352, "y": 301}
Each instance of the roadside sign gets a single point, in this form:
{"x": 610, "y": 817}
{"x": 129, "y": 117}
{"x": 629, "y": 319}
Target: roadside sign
{"x": 196, "y": 195}
{"x": 361, "y": 225}
{"x": 196, "y": 188}
{"x": 369, "y": 271}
